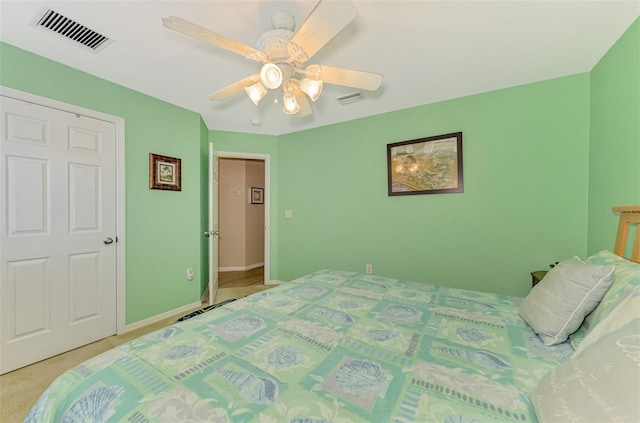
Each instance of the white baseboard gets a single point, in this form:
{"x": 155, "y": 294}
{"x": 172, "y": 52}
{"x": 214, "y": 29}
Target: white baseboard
{"x": 240, "y": 268}
{"x": 275, "y": 282}
{"x": 157, "y": 318}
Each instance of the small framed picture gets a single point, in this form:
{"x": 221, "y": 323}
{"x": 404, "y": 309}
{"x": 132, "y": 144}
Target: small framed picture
{"x": 165, "y": 173}
{"x": 257, "y": 195}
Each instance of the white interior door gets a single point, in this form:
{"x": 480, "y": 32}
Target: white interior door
{"x": 57, "y": 232}
{"x": 213, "y": 231}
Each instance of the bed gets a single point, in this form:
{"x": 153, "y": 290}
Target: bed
{"x": 337, "y": 346}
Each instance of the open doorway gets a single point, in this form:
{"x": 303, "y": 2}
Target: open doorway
{"x": 243, "y": 213}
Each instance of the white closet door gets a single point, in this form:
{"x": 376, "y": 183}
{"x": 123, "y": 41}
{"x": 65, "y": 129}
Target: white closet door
{"x": 58, "y": 232}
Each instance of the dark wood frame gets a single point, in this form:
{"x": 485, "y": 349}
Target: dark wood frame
{"x": 260, "y": 198}
{"x": 394, "y": 160}
{"x": 155, "y": 177}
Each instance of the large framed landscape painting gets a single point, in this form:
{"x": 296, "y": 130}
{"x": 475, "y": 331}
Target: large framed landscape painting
{"x": 431, "y": 165}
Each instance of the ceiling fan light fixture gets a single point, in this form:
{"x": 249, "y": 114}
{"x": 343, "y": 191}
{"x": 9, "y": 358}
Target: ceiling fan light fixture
{"x": 290, "y": 104}
{"x": 256, "y": 92}
{"x": 271, "y": 76}
{"x": 311, "y": 87}
{"x": 283, "y": 53}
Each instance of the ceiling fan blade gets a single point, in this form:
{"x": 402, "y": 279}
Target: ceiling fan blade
{"x": 234, "y": 88}
{"x": 301, "y": 98}
{"x": 348, "y": 77}
{"x": 205, "y": 34}
{"x": 323, "y": 23}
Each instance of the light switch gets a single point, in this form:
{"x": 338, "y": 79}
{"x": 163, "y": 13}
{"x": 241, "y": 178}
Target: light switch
{"x": 288, "y": 214}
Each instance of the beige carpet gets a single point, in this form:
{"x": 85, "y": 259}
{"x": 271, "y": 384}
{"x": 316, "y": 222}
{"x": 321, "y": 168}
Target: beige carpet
{"x": 20, "y": 389}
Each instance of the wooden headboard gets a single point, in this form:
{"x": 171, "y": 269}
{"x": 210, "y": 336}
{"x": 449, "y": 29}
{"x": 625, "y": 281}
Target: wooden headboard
{"x": 628, "y": 215}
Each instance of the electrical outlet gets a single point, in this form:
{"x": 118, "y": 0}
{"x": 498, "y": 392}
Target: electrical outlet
{"x": 369, "y": 269}
{"x": 190, "y": 275}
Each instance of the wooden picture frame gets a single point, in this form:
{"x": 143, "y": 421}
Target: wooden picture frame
{"x": 165, "y": 173}
{"x": 257, "y": 195}
{"x": 431, "y": 165}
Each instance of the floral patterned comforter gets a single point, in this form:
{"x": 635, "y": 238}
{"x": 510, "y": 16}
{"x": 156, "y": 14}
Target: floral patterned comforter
{"x": 332, "y": 346}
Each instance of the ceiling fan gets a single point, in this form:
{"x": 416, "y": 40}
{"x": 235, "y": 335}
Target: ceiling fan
{"x": 284, "y": 55}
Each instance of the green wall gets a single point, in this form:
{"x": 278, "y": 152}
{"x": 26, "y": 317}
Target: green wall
{"x": 162, "y": 228}
{"x": 524, "y": 206}
{"x": 204, "y": 205}
{"x": 614, "y": 164}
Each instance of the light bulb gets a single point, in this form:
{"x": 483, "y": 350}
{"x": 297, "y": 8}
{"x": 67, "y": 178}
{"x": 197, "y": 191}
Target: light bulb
{"x": 271, "y": 76}
{"x": 312, "y": 87}
{"x": 256, "y": 92}
{"x": 290, "y": 104}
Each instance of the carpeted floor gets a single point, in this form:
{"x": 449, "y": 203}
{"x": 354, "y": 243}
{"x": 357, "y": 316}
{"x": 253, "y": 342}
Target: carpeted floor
{"x": 20, "y": 389}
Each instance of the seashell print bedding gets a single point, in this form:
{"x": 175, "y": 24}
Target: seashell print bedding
{"x": 331, "y": 346}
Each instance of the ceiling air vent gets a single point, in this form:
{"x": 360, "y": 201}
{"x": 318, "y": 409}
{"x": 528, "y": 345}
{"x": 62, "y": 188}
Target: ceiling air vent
{"x": 350, "y": 98}
{"x": 71, "y": 30}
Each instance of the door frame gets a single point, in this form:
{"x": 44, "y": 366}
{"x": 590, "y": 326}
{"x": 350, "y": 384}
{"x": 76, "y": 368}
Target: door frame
{"x": 267, "y": 201}
{"x": 119, "y": 123}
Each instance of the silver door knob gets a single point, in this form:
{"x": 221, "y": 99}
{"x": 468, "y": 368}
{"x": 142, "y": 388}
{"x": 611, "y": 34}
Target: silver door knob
{"x": 108, "y": 240}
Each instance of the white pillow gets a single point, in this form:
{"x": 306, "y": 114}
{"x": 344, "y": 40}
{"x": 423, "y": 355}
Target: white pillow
{"x": 557, "y": 305}
{"x": 599, "y": 383}
{"x": 623, "y": 313}
{"x": 626, "y": 279}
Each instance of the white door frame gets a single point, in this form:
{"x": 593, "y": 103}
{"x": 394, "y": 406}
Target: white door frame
{"x": 212, "y": 228}
{"x": 267, "y": 201}
{"x": 120, "y": 185}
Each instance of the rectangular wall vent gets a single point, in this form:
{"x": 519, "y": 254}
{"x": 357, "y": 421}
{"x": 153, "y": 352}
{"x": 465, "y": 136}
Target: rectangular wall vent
{"x": 350, "y": 98}
{"x": 71, "y": 30}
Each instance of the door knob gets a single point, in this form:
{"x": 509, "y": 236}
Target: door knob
{"x": 211, "y": 233}
{"x": 108, "y": 240}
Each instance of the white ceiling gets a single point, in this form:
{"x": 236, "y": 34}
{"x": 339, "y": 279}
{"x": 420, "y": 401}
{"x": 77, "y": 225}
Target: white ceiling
{"x": 428, "y": 51}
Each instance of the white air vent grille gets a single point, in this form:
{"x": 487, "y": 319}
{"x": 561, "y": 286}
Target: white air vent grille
{"x": 350, "y": 98}
{"x": 73, "y": 31}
